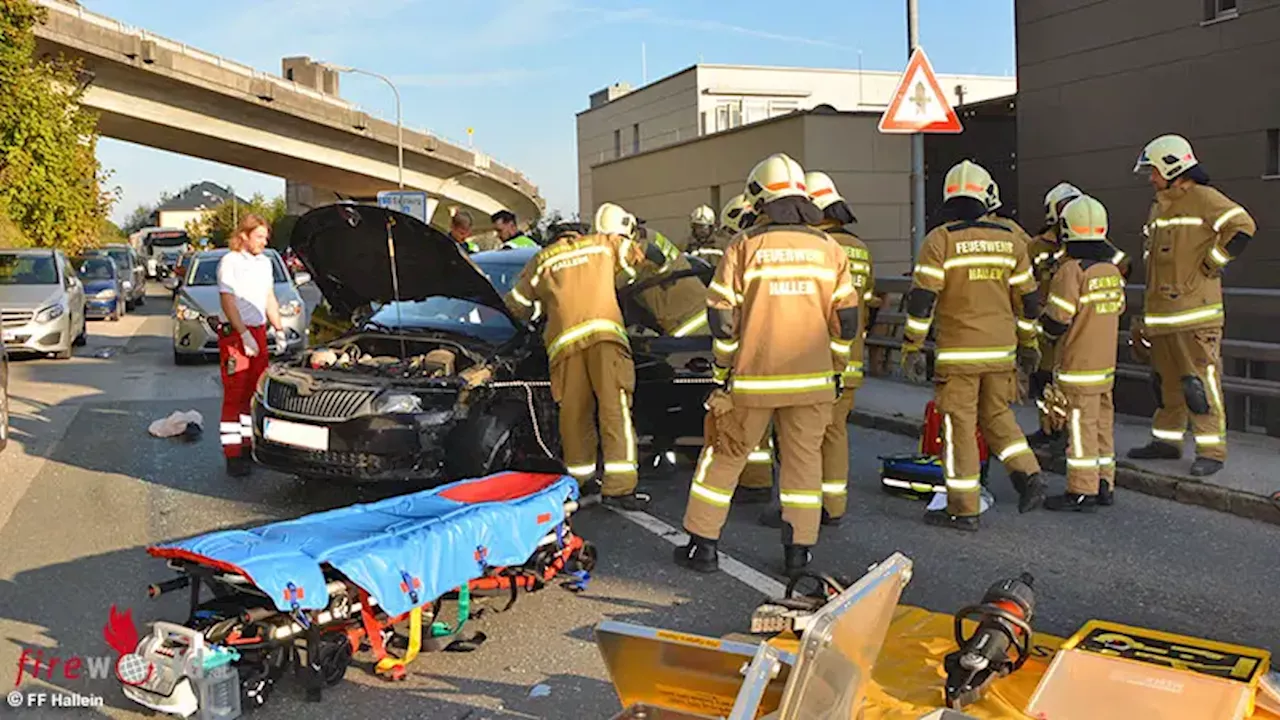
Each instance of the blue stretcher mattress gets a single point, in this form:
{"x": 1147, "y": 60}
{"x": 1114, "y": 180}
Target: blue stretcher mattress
{"x": 419, "y": 545}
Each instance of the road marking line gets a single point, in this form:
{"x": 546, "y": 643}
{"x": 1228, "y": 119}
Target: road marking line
{"x": 735, "y": 569}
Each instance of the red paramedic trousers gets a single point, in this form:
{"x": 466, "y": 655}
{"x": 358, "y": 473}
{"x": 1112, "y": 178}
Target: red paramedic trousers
{"x": 236, "y": 428}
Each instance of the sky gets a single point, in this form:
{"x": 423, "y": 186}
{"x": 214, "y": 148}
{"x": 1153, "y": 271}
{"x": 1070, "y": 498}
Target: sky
{"x": 518, "y": 71}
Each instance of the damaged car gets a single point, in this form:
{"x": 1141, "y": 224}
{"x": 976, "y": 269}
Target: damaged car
{"x": 436, "y": 380}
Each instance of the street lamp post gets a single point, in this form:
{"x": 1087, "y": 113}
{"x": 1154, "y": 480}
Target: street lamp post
{"x": 399, "y": 122}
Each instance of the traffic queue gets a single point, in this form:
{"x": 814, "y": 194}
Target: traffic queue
{"x": 787, "y": 313}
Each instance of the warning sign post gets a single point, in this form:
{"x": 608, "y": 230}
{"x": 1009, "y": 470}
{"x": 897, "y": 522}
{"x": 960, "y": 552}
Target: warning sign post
{"x": 918, "y": 104}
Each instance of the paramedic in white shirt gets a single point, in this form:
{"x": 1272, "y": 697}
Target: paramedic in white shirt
{"x": 246, "y": 289}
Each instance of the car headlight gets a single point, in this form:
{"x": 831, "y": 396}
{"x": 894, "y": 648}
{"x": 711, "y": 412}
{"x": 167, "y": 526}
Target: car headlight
{"x": 182, "y": 311}
{"x": 107, "y": 294}
{"x": 290, "y": 309}
{"x": 397, "y": 404}
{"x": 49, "y": 314}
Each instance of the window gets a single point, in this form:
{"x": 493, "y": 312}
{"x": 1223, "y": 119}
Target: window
{"x": 703, "y": 126}
{"x": 728, "y": 115}
{"x": 755, "y": 110}
{"x": 288, "y": 74}
{"x": 1273, "y": 153}
{"x": 635, "y": 138}
{"x": 782, "y": 107}
{"x": 1219, "y": 10}
{"x": 617, "y": 143}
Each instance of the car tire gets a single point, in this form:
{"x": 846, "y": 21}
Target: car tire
{"x": 83, "y": 338}
{"x": 486, "y": 443}
{"x": 183, "y": 359}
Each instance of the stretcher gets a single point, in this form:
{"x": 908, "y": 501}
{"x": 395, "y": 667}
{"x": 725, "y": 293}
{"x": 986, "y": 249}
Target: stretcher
{"x": 306, "y": 594}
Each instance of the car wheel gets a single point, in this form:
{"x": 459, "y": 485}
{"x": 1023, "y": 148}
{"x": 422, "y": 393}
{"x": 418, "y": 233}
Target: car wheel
{"x": 485, "y": 443}
{"x": 62, "y": 354}
{"x": 83, "y": 338}
{"x": 182, "y": 359}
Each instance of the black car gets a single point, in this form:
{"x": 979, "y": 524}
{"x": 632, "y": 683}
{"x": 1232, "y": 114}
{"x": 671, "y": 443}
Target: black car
{"x": 445, "y": 383}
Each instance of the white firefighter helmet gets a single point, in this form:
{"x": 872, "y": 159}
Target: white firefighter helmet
{"x": 967, "y": 179}
{"x": 702, "y": 215}
{"x": 777, "y": 176}
{"x": 1170, "y": 155}
{"x": 993, "y": 197}
{"x": 1055, "y": 197}
{"x": 822, "y": 190}
{"x": 613, "y": 220}
{"x": 1084, "y": 218}
{"x": 732, "y": 212}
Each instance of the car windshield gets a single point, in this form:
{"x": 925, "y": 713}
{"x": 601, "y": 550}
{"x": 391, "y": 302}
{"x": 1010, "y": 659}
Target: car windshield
{"x": 18, "y": 269}
{"x": 98, "y": 269}
{"x": 453, "y": 315}
{"x": 121, "y": 257}
{"x": 205, "y": 271}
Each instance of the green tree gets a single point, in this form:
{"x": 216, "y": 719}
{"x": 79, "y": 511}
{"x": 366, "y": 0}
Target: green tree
{"x": 139, "y": 218}
{"x": 221, "y": 221}
{"x": 51, "y": 184}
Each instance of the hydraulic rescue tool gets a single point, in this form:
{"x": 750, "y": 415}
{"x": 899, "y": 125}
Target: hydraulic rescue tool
{"x": 1004, "y": 624}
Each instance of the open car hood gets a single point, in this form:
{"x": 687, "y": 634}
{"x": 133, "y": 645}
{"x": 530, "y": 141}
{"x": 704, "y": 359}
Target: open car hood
{"x": 345, "y": 249}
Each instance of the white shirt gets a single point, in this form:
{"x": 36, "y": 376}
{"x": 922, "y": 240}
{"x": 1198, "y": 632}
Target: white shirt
{"x": 248, "y": 278}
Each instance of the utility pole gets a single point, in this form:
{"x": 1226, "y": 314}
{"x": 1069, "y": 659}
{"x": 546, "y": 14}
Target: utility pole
{"x": 917, "y": 146}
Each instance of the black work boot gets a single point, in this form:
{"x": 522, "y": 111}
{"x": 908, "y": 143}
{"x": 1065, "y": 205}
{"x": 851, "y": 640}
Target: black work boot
{"x": 752, "y": 496}
{"x": 1106, "y": 494}
{"x": 831, "y": 520}
{"x": 1204, "y": 467}
{"x": 942, "y": 518}
{"x": 239, "y": 466}
{"x": 699, "y": 554}
{"x": 1073, "y": 502}
{"x": 795, "y": 559}
{"x": 634, "y": 501}
{"x": 1156, "y": 450}
{"x": 1042, "y": 439}
{"x": 1030, "y": 490}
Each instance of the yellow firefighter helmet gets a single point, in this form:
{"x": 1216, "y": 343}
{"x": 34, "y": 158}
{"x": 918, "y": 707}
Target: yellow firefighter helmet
{"x": 967, "y": 179}
{"x": 1084, "y": 218}
{"x": 1170, "y": 155}
{"x": 777, "y": 176}
{"x": 613, "y": 220}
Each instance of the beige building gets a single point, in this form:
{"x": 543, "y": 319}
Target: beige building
{"x": 871, "y": 169}
{"x": 707, "y": 99}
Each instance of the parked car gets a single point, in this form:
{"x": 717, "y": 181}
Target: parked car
{"x": 131, "y": 269}
{"x": 429, "y": 389}
{"x": 195, "y": 310}
{"x": 41, "y": 303}
{"x": 103, "y": 288}
{"x": 4, "y": 398}
{"x": 166, "y": 260}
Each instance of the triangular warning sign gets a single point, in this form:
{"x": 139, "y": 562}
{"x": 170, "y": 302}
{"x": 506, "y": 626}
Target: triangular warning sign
{"x": 918, "y": 104}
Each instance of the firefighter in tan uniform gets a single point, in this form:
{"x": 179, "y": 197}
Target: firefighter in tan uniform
{"x": 1086, "y": 299}
{"x": 702, "y": 225}
{"x": 1193, "y": 231}
{"x": 782, "y": 296}
{"x": 709, "y": 246}
{"x": 678, "y": 306}
{"x": 571, "y": 282}
{"x": 965, "y": 271}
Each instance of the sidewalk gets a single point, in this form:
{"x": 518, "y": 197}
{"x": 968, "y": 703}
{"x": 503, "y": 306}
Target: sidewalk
{"x": 1244, "y": 487}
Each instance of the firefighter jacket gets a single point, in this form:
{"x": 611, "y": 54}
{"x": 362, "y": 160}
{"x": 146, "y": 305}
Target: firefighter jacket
{"x": 1191, "y": 234}
{"x": 966, "y": 271}
{"x": 862, "y": 273}
{"x": 571, "y": 282}
{"x": 1019, "y": 235}
{"x": 1086, "y": 299}
{"x": 679, "y": 306}
{"x": 712, "y": 249}
{"x": 782, "y": 289}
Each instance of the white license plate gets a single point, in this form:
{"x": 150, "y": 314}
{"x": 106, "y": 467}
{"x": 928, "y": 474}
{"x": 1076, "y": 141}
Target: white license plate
{"x": 312, "y": 437}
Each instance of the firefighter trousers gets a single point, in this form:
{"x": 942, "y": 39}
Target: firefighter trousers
{"x": 968, "y": 402}
{"x": 799, "y": 430}
{"x": 1187, "y": 378}
{"x": 240, "y": 374}
{"x": 835, "y": 456}
{"x": 759, "y": 470}
{"x": 1091, "y": 450}
{"x": 597, "y": 380}
{"x": 1041, "y": 378}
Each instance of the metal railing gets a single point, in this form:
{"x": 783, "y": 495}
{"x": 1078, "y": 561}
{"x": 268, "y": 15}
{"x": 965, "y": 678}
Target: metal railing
{"x": 892, "y": 318}
{"x": 481, "y": 161}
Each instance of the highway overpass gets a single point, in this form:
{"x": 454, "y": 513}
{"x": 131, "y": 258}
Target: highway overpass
{"x": 160, "y": 93}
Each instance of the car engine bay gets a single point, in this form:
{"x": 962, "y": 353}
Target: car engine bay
{"x": 380, "y": 356}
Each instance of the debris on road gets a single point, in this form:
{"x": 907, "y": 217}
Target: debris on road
{"x": 189, "y": 425}
{"x": 540, "y": 690}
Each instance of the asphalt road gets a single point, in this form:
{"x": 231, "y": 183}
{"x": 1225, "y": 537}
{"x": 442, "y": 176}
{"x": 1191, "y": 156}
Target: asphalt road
{"x": 86, "y": 489}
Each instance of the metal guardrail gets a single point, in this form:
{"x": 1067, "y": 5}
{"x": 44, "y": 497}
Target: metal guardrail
{"x": 481, "y": 160}
{"x": 1248, "y": 350}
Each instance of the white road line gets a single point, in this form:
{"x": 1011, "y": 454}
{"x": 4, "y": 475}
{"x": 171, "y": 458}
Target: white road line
{"x": 733, "y": 568}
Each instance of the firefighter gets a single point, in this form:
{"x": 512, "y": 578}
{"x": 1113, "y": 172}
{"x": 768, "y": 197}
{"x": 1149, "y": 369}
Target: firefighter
{"x": 246, "y": 291}
{"x": 781, "y": 298}
{"x": 966, "y": 269}
{"x": 1082, "y": 317}
{"x": 711, "y": 247}
{"x": 572, "y": 282}
{"x": 1046, "y": 252}
{"x": 504, "y": 221}
{"x": 702, "y": 223}
{"x": 1192, "y": 233}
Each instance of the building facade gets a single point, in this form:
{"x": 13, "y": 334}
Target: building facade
{"x": 705, "y": 99}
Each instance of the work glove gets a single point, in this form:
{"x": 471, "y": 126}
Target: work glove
{"x": 251, "y": 348}
{"x": 281, "y": 341}
{"x": 1028, "y": 359}
{"x": 720, "y": 375}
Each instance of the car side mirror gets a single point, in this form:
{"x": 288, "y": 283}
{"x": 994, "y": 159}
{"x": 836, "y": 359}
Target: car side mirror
{"x": 171, "y": 283}
{"x": 302, "y": 278}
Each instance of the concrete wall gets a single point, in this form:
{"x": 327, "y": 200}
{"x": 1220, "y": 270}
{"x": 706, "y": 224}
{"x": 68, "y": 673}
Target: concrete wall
{"x": 664, "y": 185}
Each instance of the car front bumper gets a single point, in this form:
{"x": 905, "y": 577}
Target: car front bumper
{"x": 97, "y": 309}
{"x": 21, "y": 333}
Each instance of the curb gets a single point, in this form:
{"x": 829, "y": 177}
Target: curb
{"x": 1128, "y": 476}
